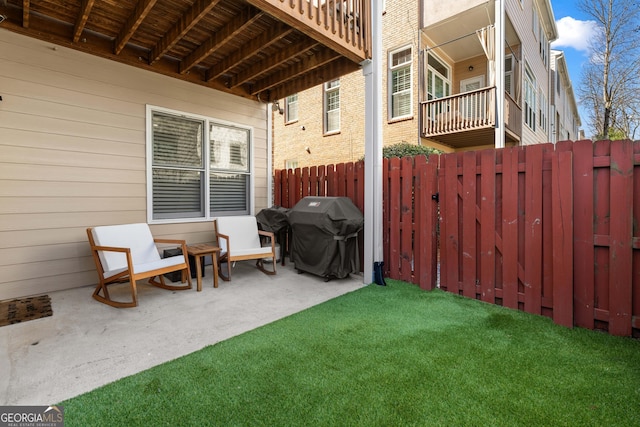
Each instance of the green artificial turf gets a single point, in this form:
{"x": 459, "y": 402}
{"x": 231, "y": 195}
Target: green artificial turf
{"x": 386, "y": 356}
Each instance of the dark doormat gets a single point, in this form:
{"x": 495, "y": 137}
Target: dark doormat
{"x": 24, "y": 309}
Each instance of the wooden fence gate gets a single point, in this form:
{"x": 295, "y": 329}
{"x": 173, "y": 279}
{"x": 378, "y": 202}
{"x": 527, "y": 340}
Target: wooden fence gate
{"x": 550, "y": 230}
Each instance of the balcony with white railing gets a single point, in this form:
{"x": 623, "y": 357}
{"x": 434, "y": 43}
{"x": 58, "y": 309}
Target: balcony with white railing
{"x": 467, "y": 119}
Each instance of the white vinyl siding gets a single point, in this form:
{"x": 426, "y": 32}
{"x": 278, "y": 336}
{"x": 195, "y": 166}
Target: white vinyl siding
{"x": 332, "y": 107}
{"x": 401, "y": 83}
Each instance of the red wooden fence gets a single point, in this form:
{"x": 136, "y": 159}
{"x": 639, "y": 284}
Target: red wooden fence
{"x": 551, "y": 230}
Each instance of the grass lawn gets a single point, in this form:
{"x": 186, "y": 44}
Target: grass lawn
{"x": 386, "y": 356}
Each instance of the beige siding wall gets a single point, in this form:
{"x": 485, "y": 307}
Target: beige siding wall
{"x": 72, "y": 155}
{"x": 400, "y": 29}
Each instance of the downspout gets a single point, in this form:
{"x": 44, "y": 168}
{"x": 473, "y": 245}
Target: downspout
{"x": 269, "y": 155}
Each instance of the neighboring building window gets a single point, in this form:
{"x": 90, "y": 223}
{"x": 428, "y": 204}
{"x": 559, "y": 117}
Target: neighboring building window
{"x": 332, "y": 106}
{"x": 185, "y": 183}
{"x": 290, "y": 164}
{"x": 529, "y": 98}
{"x": 438, "y": 78}
{"x": 543, "y": 111}
{"x": 535, "y": 21}
{"x": 401, "y": 83}
{"x": 508, "y": 75}
{"x": 291, "y": 108}
{"x": 544, "y": 47}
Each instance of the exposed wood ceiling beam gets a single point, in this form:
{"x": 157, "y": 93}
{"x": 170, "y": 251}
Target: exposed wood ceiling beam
{"x": 198, "y": 11}
{"x": 332, "y": 71}
{"x": 267, "y": 38}
{"x": 141, "y": 11}
{"x": 306, "y": 65}
{"x": 85, "y": 10}
{"x": 234, "y": 27}
{"x": 273, "y": 61}
{"x": 25, "y": 13}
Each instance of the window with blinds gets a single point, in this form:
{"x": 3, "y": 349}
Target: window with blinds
{"x": 199, "y": 168}
{"x": 401, "y": 83}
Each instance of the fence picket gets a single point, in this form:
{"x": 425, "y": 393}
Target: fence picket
{"x": 620, "y": 246}
{"x": 406, "y": 218}
{"x": 583, "y": 233}
{"x": 562, "y": 207}
{"x": 510, "y": 264}
{"x": 533, "y": 221}
{"x": 449, "y": 222}
{"x": 469, "y": 228}
{"x": 488, "y": 225}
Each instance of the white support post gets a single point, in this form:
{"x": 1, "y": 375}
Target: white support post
{"x": 499, "y": 66}
{"x": 372, "y": 71}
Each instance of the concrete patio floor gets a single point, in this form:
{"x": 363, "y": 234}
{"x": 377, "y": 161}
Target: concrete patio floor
{"x": 87, "y": 344}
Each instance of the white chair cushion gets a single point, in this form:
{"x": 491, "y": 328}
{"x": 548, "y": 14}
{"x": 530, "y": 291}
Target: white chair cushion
{"x": 143, "y": 268}
{"x": 242, "y": 232}
{"x": 136, "y": 237}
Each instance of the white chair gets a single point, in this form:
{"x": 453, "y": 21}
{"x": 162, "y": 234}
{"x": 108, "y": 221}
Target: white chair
{"x": 239, "y": 239}
{"x": 127, "y": 253}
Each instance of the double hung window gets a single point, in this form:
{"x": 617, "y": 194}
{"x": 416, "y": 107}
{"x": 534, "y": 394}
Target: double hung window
{"x": 401, "y": 83}
{"x": 197, "y": 167}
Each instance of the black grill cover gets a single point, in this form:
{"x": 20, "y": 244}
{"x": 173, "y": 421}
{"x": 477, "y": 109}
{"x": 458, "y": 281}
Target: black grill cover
{"x": 325, "y": 231}
{"x": 273, "y": 219}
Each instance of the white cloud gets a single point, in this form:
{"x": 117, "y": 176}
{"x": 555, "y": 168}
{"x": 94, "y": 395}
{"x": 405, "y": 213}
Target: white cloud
{"x": 573, "y": 33}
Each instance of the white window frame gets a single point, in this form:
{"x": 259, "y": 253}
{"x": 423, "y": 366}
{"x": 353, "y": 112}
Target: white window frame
{"x": 530, "y": 90}
{"x": 406, "y": 66}
{"x": 205, "y": 168}
{"x": 291, "y": 108}
{"x": 432, "y": 74}
{"x": 330, "y": 91}
{"x": 509, "y": 74}
{"x": 543, "y": 111}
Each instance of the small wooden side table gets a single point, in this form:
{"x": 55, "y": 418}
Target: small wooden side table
{"x": 202, "y": 249}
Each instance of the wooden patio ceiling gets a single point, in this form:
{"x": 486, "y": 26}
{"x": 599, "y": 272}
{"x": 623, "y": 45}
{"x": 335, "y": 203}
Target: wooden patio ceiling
{"x": 258, "y": 49}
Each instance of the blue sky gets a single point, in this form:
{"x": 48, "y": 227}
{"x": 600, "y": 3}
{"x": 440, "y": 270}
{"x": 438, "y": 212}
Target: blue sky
{"x": 575, "y": 29}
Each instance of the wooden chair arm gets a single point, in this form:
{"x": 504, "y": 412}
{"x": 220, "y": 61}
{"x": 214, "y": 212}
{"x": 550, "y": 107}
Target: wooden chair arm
{"x": 176, "y": 241}
{"x": 110, "y": 249}
{"x": 267, "y": 234}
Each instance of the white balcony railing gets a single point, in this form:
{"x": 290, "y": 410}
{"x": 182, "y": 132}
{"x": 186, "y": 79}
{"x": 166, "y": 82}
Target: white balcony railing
{"x": 459, "y": 113}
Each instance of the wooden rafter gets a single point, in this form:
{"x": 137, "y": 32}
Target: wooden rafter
{"x": 26, "y": 4}
{"x": 308, "y": 64}
{"x": 234, "y": 27}
{"x": 331, "y": 71}
{"x": 199, "y": 10}
{"x": 250, "y": 49}
{"x": 273, "y": 61}
{"x": 142, "y": 10}
{"x": 81, "y": 21}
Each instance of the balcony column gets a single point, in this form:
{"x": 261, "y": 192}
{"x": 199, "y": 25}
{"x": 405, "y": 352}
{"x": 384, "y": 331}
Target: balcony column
{"x": 372, "y": 70}
{"x": 499, "y": 66}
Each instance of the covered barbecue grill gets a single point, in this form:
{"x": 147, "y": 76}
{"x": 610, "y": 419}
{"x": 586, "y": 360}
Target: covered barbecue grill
{"x": 274, "y": 219}
{"x": 324, "y": 240}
